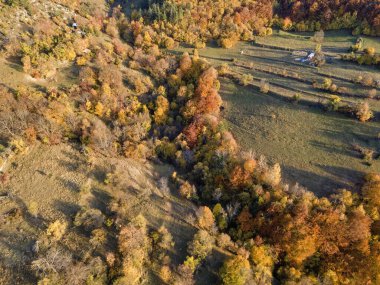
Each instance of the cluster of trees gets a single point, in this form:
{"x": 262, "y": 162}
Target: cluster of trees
{"x": 362, "y": 16}
{"x": 367, "y": 57}
{"x": 105, "y": 111}
{"x": 272, "y": 230}
{"x": 196, "y": 22}
{"x": 289, "y": 234}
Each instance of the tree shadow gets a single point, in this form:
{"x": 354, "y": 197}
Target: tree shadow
{"x": 35, "y": 222}
{"x": 333, "y": 149}
{"x": 101, "y": 200}
{"x": 347, "y": 177}
{"x": 99, "y": 173}
{"x": 320, "y": 185}
{"x": 67, "y": 208}
{"x": 208, "y": 271}
{"x": 69, "y": 184}
{"x": 17, "y": 268}
{"x": 71, "y": 166}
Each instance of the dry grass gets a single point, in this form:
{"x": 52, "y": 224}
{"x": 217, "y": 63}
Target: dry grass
{"x": 54, "y": 176}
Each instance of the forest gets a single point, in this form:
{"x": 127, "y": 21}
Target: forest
{"x": 130, "y": 99}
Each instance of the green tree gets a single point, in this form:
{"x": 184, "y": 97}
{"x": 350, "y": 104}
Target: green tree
{"x": 235, "y": 271}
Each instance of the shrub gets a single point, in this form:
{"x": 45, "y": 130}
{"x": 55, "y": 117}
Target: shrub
{"x": 27, "y": 65}
{"x": 163, "y": 185}
{"x": 333, "y": 88}
{"x": 264, "y": 86}
{"x": 165, "y": 273}
{"x": 98, "y": 237}
{"x": 333, "y": 103}
{"x": 81, "y": 60}
{"x": 18, "y": 145}
{"x": 185, "y": 275}
{"x": 200, "y": 45}
{"x": 363, "y": 112}
{"x": 245, "y": 79}
{"x": 56, "y": 230}
{"x": 99, "y": 109}
{"x": 319, "y": 37}
{"x": 224, "y": 69}
{"x": 296, "y": 97}
{"x": 367, "y": 80}
{"x": 89, "y": 219}
{"x": 54, "y": 261}
{"x": 187, "y": 190}
{"x": 319, "y": 59}
{"x": 327, "y": 82}
{"x": 33, "y": 208}
{"x": 370, "y": 51}
{"x": 372, "y": 93}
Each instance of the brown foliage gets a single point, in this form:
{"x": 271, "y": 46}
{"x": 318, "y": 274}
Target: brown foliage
{"x": 239, "y": 177}
{"x": 245, "y": 220}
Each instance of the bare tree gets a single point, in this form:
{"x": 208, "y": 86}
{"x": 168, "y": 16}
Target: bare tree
{"x": 54, "y": 261}
{"x": 163, "y": 185}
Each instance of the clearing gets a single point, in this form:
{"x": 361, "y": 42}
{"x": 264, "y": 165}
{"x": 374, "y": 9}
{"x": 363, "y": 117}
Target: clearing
{"x": 314, "y": 147}
{"x": 51, "y": 178}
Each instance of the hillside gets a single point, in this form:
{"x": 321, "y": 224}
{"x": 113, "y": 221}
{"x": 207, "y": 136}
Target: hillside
{"x": 189, "y": 142}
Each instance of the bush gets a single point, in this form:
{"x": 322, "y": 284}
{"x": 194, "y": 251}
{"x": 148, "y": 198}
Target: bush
{"x": 264, "y": 86}
{"x": 56, "y": 230}
{"x": 327, "y": 82}
{"x": 372, "y": 93}
{"x": 224, "y": 69}
{"x": 245, "y": 79}
{"x": 187, "y": 190}
{"x": 89, "y": 219}
{"x": 296, "y": 97}
{"x": 370, "y": 51}
{"x": 333, "y": 103}
{"x": 363, "y": 112}
{"x": 367, "y": 80}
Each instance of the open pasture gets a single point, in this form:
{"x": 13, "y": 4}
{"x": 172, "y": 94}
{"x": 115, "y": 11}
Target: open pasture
{"x": 337, "y": 41}
{"x": 322, "y": 150}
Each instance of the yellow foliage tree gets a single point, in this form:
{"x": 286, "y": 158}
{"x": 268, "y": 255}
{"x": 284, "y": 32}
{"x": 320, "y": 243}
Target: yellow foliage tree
{"x": 161, "y": 112}
{"x": 99, "y": 109}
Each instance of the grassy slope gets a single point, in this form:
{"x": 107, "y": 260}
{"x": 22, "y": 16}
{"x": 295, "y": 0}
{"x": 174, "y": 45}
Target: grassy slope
{"x": 313, "y": 147}
{"x": 52, "y": 176}
{"x": 335, "y": 41}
